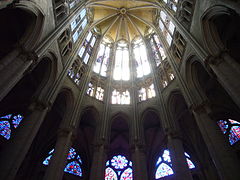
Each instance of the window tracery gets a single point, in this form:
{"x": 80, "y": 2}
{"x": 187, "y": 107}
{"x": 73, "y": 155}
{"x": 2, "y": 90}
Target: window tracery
{"x": 95, "y": 90}
{"x": 164, "y": 164}
{"x": 118, "y": 168}
{"x": 76, "y": 72}
{"x": 141, "y": 60}
{"x": 146, "y": 93}
{"x": 167, "y": 27}
{"x": 172, "y": 4}
{"x": 87, "y": 48}
{"x": 121, "y": 68}
{"x": 78, "y": 24}
{"x": 231, "y": 128}
{"x": 120, "y": 97}
{"x": 8, "y": 123}
{"x": 103, "y": 58}
{"x": 74, "y": 162}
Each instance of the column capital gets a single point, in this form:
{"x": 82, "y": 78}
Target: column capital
{"x": 173, "y": 134}
{"x": 204, "y": 106}
{"x": 65, "y": 132}
{"x": 39, "y": 105}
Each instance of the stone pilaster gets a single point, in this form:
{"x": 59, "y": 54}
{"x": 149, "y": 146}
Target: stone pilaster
{"x": 180, "y": 166}
{"x": 223, "y": 156}
{"x": 59, "y": 158}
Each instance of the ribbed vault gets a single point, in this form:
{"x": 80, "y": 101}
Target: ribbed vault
{"x": 123, "y": 19}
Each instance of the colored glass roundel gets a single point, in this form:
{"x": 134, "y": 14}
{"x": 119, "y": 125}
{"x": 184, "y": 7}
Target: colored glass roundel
{"x": 8, "y": 123}
{"x": 118, "y": 168}
{"x": 231, "y": 128}
{"x": 73, "y": 164}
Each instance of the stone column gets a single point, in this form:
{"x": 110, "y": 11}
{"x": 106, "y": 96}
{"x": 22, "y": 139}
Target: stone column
{"x": 223, "y": 156}
{"x": 139, "y": 163}
{"x": 13, "y": 72}
{"x": 227, "y": 71}
{"x": 178, "y": 158}
{"x": 99, "y": 162}
{"x": 56, "y": 166}
{"x": 15, "y": 150}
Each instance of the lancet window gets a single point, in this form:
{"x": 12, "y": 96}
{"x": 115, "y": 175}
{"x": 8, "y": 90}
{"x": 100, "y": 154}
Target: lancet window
{"x": 157, "y": 49}
{"x": 8, "y": 123}
{"x": 95, "y": 90}
{"x": 172, "y": 4}
{"x": 73, "y": 3}
{"x": 118, "y": 168}
{"x": 86, "y": 49}
{"x": 78, "y": 24}
{"x": 76, "y": 72}
{"x": 121, "y": 68}
{"x": 146, "y": 93}
{"x": 120, "y": 97}
{"x": 164, "y": 164}
{"x": 65, "y": 43}
{"x": 230, "y": 128}
{"x": 74, "y": 162}
{"x": 140, "y": 56}
{"x": 103, "y": 58}
{"x": 167, "y": 27}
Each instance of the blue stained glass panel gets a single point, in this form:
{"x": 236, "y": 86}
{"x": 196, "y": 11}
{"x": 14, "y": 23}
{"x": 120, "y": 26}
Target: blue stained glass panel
{"x": 223, "y": 125}
{"x": 5, "y": 130}
{"x": 73, "y": 168}
{"x": 234, "y": 135}
{"x": 163, "y": 170}
{"x": 16, "y": 120}
{"x": 71, "y": 154}
{"x": 6, "y": 117}
{"x": 47, "y": 160}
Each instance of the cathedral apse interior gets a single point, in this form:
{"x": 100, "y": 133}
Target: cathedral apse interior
{"x": 119, "y": 90}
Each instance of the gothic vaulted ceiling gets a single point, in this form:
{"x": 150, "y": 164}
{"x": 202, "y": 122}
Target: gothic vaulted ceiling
{"x": 122, "y": 19}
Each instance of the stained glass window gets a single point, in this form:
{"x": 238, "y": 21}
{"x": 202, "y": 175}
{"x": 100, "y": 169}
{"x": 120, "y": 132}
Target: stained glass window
{"x": 120, "y": 97}
{"x": 172, "y": 4}
{"x": 231, "y": 128}
{"x": 8, "y": 123}
{"x": 78, "y": 24}
{"x": 74, "y": 162}
{"x": 164, "y": 164}
{"x": 142, "y": 64}
{"x": 118, "y": 168}
{"x": 102, "y": 60}
{"x": 121, "y": 68}
{"x": 146, "y": 93}
{"x": 167, "y": 27}
{"x": 85, "y": 51}
{"x": 95, "y": 91}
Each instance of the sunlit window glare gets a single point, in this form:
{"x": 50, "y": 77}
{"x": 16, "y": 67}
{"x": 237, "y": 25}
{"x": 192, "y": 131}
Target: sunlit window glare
{"x": 121, "y": 68}
{"x": 142, "y": 64}
{"x": 120, "y": 97}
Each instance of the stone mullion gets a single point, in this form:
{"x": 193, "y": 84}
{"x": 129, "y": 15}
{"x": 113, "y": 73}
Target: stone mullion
{"x": 85, "y": 81}
{"x": 161, "y": 64}
{"x": 134, "y": 99}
